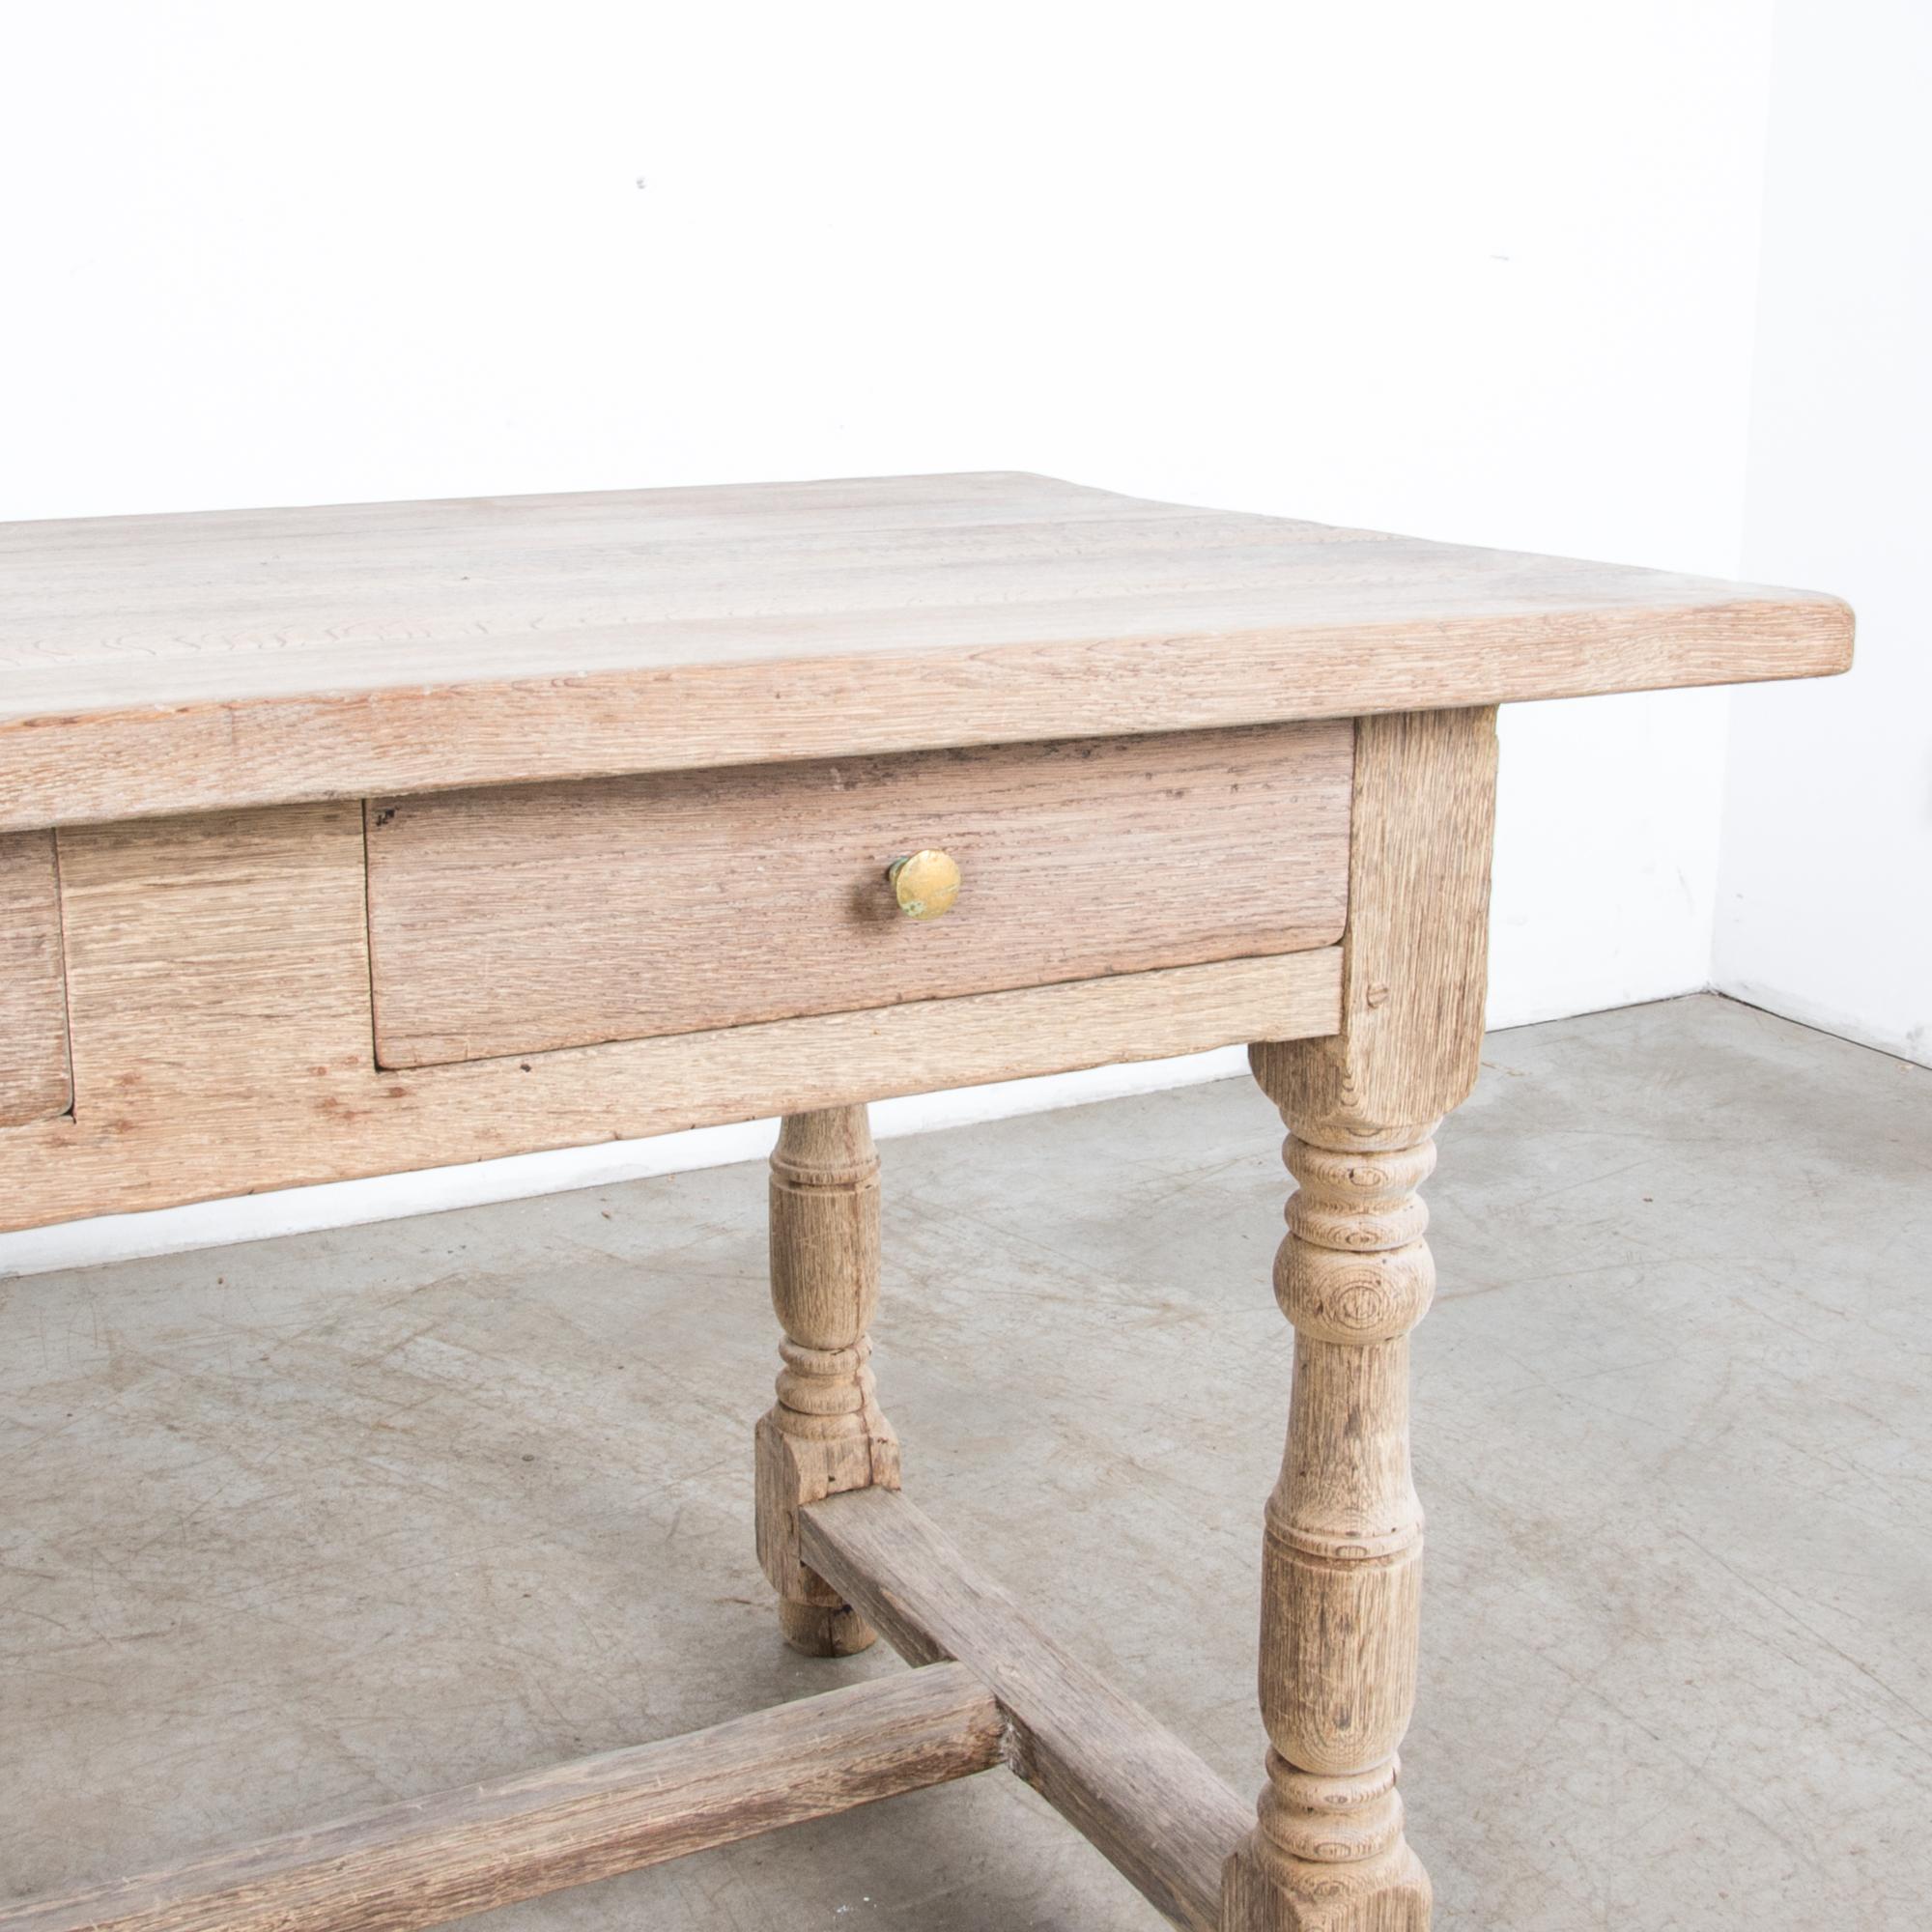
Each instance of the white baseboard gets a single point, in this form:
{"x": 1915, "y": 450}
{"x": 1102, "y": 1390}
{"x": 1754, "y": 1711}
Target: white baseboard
{"x": 1902, "y": 1042}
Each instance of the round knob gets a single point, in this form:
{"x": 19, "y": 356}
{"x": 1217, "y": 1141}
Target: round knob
{"x": 924, "y": 883}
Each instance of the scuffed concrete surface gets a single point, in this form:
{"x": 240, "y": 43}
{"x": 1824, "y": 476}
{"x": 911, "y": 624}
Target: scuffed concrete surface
{"x": 291, "y": 1529}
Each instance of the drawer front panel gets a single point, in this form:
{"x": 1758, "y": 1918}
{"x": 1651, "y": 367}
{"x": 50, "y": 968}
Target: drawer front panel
{"x": 519, "y": 920}
{"x": 35, "y": 1083}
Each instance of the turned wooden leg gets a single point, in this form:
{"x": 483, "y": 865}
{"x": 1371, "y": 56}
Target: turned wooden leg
{"x": 825, "y": 1433}
{"x": 1341, "y": 1542}
{"x": 1342, "y": 1548}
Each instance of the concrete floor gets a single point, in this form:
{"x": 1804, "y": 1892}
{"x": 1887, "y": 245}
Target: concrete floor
{"x": 291, "y": 1529}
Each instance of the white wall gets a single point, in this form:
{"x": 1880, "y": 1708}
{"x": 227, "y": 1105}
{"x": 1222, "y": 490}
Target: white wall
{"x": 1482, "y": 273}
{"x": 1826, "y": 906}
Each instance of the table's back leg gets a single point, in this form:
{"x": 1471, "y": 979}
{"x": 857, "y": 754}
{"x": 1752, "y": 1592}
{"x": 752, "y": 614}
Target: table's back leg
{"x": 1342, "y": 1542}
{"x": 825, "y": 1433}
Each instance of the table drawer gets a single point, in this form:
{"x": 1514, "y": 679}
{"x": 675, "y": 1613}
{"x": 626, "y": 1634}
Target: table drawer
{"x": 517, "y": 920}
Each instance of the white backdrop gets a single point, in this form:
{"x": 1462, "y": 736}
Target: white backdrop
{"x": 1827, "y": 900}
{"x": 1486, "y": 273}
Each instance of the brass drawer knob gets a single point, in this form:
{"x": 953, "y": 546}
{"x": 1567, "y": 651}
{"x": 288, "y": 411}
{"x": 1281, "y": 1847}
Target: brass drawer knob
{"x": 924, "y": 883}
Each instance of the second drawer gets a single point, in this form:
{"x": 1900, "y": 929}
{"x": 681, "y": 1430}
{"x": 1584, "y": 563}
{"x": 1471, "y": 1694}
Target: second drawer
{"x": 517, "y": 920}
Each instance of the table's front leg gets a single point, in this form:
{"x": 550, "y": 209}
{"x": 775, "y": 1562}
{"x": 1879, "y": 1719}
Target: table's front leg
{"x": 1342, "y": 1548}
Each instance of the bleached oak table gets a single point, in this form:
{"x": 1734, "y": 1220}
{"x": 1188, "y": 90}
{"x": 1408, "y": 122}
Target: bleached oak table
{"x": 337, "y": 841}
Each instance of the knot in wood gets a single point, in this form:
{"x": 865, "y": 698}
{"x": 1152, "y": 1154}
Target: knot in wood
{"x": 1350, "y": 1298}
{"x": 1322, "y": 1818}
{"x": 1356, "y": 1230}
{"x": 1361, "y": 1176}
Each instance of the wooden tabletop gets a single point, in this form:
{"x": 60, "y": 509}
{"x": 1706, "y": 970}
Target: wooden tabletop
{"x": 184, "y": 662}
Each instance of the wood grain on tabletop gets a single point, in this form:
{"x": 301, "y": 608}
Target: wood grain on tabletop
{"x": 174, "y": 663}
